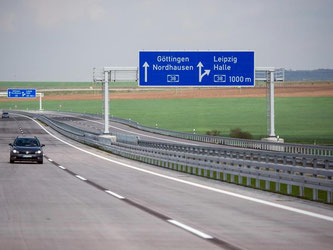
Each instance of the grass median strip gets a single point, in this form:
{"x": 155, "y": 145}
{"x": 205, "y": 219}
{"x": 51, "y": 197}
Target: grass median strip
{"x": 298, "y": 118}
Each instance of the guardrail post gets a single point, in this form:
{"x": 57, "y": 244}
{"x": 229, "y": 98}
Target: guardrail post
{"x": 212, "y": 174}
{"x": 267, "y": 186}
{"x": 288, "y": 189}
{"x": 248, "y": 181}
{"x": 329, "y": 197}
{"x": 301, "y": 191}
{"x": 277, "y": 186}
{"x": 257, "y": 182}
{"x": 315, "y": 194}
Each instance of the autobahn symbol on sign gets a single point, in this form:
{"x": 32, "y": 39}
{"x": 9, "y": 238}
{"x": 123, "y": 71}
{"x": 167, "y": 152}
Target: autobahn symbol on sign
{"x": 196, "y": 68}
{"x": 21, "y": 93}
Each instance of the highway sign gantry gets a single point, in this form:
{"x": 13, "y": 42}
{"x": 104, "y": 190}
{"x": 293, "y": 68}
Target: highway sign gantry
{"x": 196, "y": 68}
{"x": 21, "y": 93}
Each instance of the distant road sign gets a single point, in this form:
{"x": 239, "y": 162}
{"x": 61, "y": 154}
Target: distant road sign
{"x": 21, "y": 93}
{"x": 196, "y": 68}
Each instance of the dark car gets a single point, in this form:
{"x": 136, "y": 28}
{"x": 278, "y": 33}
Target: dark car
{"x": 26, "y": 149}
{"x": 5, "y": 115}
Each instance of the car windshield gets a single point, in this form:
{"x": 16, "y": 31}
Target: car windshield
{"x": 26, "y": 142}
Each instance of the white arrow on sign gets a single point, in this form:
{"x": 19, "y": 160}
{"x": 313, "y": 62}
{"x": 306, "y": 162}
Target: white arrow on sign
{"x": 207, "y": 71}
{"x": 146, "y": 65}
{"x": 23, "y": 94}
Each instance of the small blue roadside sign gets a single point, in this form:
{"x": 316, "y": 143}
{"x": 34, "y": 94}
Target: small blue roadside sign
{"x": 21, "y": 93}
{"x": 196, "y": 68}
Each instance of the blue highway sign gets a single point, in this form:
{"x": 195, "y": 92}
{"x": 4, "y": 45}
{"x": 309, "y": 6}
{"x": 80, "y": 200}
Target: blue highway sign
{"x": 21, "y": 93}
{"x": 196, "y": 68}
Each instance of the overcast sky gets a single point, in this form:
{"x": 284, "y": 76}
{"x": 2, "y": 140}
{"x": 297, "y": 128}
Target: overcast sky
{"x": 62, "y": 40}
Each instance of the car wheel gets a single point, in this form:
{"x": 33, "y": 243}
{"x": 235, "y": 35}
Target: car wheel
{"x": 11, "y": 161}
{"x": 40, "y": 162}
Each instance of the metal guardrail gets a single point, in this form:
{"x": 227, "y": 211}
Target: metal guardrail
{"x": 211, "y": 163}
{"x": 304, "y": 160}
{"x": 234, "y": 142}
{"x": 312, "y": 161}
{"x": 302, "y": 149}
{"x": 305, "y": 176}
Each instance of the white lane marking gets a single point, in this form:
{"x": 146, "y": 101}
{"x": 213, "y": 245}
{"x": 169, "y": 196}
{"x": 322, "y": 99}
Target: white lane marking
{"x": 190, "y": 229}
{"x": 114, "y": 194}
{"x": 61, "y": 167}
{"x": 131, "y": 132}
{"x": 80, "y": 177}
{"x": 50, "y": 160}
{"x": 221, "y": 191}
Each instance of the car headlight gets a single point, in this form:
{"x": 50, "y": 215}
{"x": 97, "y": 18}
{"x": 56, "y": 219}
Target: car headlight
{"x": 38, "y": 152}
{"x": 15, "y": 151}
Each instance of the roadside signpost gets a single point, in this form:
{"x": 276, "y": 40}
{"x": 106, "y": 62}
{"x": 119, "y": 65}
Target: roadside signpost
{"x": 21, "y": 93}
{"x": 196, "y": 68}
{"x": 25, "y": 93}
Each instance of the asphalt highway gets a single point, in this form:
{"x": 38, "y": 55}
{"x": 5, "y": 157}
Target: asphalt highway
{"x": 83, "y": 198}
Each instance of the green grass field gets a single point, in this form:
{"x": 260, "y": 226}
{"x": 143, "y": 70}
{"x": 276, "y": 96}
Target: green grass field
{"x": 302, "y": 120}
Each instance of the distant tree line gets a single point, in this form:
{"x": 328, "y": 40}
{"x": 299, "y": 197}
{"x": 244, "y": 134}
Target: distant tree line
{"x": 309, "y": 75}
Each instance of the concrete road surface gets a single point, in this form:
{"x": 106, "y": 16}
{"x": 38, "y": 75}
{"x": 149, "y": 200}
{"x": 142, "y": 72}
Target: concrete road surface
{"x": 82, "y": 198}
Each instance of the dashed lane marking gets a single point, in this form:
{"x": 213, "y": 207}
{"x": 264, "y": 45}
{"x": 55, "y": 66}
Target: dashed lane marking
{"x": 190, "y": 229}
{"x": 211, "y": 239}
{"x": 80, "y": 177}
{"x": 114, "y": 194}
{"x": 217, "y": 190}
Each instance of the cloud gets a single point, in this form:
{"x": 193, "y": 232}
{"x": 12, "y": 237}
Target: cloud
{"x": 51, "y": 14}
